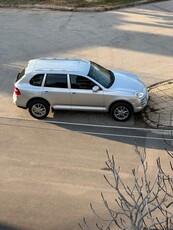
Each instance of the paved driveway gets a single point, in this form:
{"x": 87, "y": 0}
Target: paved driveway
{"x": 138, "y": 40}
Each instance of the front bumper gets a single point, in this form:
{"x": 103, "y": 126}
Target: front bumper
{"x": 143, "y": 103}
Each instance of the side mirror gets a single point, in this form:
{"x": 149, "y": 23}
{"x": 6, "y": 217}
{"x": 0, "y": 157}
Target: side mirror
{"x": 95, "y": 89}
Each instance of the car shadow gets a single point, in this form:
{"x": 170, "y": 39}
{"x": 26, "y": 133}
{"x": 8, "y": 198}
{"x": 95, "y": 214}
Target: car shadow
{"x": 8, "y": 227}
{"x": 102, "y": 125}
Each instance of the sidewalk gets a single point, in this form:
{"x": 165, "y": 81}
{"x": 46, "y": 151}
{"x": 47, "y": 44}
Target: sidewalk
{"x": 159, "y": 112}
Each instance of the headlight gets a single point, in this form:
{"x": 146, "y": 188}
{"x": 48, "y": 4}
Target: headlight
{"x": 139, "y": 94}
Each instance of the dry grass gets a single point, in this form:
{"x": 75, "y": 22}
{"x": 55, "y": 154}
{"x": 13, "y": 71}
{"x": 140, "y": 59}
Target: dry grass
{"x": 53, "y": 2}
{"x": 72, "y": 3}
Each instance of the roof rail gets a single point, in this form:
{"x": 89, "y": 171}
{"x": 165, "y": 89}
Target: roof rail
{"x": 70, "y": 59}
{"x": 55, "y": 69}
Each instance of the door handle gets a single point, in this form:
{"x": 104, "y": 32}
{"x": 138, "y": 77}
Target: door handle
{"x": 73, "y": 93}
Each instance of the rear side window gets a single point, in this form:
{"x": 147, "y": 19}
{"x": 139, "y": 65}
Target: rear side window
{"x": 56, "y": 80}
{"x": 37, "y": 80}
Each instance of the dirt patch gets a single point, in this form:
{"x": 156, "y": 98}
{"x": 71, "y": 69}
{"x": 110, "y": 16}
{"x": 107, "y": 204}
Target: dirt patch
{"x": 63, "y": 2}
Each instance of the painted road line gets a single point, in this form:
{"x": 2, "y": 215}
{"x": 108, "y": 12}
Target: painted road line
{"x": 87, "y": 132}
{"x": 87, "y": 125}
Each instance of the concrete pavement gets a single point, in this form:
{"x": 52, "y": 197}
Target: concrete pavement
{"x": 137, "y": 40}
{"x": 159, "y": 112}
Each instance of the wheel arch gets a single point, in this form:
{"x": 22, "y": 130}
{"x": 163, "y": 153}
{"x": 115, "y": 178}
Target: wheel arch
{"x": 121, "y": 101}
{"x": 35, "y": 99}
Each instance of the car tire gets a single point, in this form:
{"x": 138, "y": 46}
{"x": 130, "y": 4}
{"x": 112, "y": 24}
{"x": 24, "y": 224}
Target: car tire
{"x": 121, "y": 111}
{"x": 39, "y": 109}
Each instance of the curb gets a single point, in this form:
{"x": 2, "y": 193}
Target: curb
{"x": 152, "y": 124}
{"x": 159, "y": 83}
{"x": 79, "y": 9}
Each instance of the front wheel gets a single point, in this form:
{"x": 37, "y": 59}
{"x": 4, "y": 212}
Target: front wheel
{"x": 121, "y": 111}
{"x": 39, "y": 109}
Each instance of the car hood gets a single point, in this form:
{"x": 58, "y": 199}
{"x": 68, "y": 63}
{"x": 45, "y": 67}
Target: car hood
{"x": 126, "y": 82}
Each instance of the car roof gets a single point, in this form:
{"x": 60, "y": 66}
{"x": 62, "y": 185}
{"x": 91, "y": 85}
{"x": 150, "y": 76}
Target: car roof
{"x": 66, "y": 65}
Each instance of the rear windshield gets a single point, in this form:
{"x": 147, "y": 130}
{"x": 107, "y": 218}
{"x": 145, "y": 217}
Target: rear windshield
{"x": 20, "y": 75}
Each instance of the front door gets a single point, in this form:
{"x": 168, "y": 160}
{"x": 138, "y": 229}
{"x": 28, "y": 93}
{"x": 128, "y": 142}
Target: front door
{"x": 82, "y": 95}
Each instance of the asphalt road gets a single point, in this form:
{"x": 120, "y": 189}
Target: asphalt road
{"x": 51, "y": 170}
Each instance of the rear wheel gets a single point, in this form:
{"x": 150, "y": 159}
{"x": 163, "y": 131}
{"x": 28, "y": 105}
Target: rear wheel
{"x": 121, "y": 111}
{"x": 39, "y": 109}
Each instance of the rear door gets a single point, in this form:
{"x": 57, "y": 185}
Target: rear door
{"x": 56, "y": 91}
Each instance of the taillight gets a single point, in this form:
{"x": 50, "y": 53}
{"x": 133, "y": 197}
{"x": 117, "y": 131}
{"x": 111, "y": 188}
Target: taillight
{"x": 17, "y": 91}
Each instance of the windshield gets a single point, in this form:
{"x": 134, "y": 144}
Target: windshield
{"x": 101, "y": 75}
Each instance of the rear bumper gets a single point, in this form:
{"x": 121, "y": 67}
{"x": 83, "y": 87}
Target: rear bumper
{"x": 17, "y": 100}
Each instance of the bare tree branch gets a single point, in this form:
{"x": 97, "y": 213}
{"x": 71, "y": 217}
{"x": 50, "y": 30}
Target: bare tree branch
{"x": 139, "y": 203}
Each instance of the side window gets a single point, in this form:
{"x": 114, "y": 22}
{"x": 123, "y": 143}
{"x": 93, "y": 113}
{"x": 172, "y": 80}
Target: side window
{"x": 79, "y": 82}
{"x": 37, "y": 80}
{"x": 56, "y": 81}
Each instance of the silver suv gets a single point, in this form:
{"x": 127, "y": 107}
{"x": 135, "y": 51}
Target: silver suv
{"x": 77, "y": 84}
